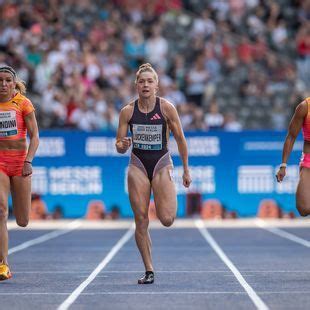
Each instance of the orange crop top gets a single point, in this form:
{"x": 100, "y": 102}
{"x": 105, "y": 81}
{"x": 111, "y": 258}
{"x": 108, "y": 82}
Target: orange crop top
{"x": 12, "y": 113}
{"x": 306, "y": 124}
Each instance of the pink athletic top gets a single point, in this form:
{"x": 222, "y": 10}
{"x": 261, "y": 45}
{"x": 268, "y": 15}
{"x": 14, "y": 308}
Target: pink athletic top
{"x": 306, "y": 124}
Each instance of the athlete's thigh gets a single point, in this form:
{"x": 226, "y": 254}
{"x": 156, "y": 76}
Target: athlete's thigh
{"x": 21, "y": 195}
{"x": 4, "y": 190}
{"x": 139, "y": 189}
{"x": 303, "y": 192}
{"x": 164, "y": 192}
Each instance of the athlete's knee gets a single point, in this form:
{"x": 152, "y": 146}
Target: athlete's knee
{"x": 3, "y": 212}
{"x": 142, "y": 221}
{"x": 22, "y": 222}
{"x": 167, "y": 220}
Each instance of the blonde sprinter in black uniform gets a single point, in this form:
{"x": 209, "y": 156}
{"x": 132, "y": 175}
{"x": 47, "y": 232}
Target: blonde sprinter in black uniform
{"x": 150, "y": 168}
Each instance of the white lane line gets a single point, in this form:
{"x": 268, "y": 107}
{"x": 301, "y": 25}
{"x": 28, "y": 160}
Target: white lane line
{"x": 77, "y": 292}
{"x": 11, "y": 225}
{"x": 31, "y": 293}
{"x": 252, "y": 294}
{"x": 71, "y": 226}
{"x": 157, "y": 293}
{"x": 179, "y": 223}
{"x": 123, "y": 271}
{"x": 188, "y": 293}
{"x": 163, "y": 271}
{"x": 284, "y": 234}
{"x": 129, "y": 293}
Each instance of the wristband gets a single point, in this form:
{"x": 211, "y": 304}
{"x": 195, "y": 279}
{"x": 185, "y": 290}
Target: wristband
{"x": 283, "y": 165}
{"x": 27, "y": 161}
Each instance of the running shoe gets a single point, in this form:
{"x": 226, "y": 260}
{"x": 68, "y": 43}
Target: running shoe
{"x": 5, "y": 272}
{"x": 147, "y": 279}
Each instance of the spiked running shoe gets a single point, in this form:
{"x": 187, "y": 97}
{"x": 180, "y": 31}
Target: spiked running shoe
{"x": 5, "y": 272}
{"x": 147, "y": 279}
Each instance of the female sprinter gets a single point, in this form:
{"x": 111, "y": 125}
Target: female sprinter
{"x": 300, "y": 119}
{"x": 16, "y": 119}
{"x": 150, "y": 119}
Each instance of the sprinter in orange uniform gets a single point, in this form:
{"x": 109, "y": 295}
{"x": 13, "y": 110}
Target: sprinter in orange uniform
{"x": 16, "y": 119}
{"x": 300, "y": 120}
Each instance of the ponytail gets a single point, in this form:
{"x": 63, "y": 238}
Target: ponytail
{"x": 20, "y": 86}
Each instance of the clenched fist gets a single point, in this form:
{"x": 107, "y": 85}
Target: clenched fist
{"x": 123, "y": 144}
{"x": 281, "y": 174}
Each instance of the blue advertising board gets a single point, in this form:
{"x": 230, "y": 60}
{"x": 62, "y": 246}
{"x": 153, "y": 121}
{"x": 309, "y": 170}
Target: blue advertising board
{"x": 72, "y": 168}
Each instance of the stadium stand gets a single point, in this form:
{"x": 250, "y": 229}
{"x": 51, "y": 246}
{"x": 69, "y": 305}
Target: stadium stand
{"x": 78, "y": 58}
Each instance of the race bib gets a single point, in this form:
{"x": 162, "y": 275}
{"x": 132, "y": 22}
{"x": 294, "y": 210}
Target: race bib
{"x": 8, "y": 123}
{"x": 147, "y": 137}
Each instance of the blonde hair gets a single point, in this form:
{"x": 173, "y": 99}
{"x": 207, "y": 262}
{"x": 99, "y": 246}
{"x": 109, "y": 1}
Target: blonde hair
{"x": 146, "y": 68}
{"x": 20, "y": 86}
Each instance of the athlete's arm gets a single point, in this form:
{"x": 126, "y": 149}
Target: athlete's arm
{"x": 33, "y": 132}
{"x": 293, "y": 131}
{"x": 122, "y": 141}
{"x": 174, "y": 124}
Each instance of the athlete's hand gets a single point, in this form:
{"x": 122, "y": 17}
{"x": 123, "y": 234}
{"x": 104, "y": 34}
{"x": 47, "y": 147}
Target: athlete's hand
{"x": 281, "y": 174}
{"x": 186, "y": 179}
{"x": 27, "y": 169}
{"x": 123, "y": 144}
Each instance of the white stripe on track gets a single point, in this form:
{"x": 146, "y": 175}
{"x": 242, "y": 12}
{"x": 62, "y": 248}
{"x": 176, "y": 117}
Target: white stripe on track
{"x": 163, "y": 271}
{"x": 77, "y": 292}
{"x": 284, "y": 234}
{"x": 71, "y": 226}
{"x": 158, "y": 293}
{"x": 252, "y": 294}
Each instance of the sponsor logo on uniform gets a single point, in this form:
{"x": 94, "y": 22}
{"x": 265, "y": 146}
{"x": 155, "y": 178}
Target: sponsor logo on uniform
{"x": 147, "y": 137}
{"x": 8, "y": 123}
{"x": 155, "y": 117}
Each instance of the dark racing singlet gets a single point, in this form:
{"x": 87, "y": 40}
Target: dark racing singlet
{"x": 149, "y": 140}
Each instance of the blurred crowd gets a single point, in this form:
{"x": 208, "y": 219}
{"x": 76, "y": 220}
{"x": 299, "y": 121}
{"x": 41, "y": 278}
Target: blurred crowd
{"x": 95, "y": 210}
{"x": 225, "y": 64}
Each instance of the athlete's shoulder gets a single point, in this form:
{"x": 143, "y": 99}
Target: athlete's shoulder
{"x": 302, "y": 108}
{"x": 127, "y": 110}
{"x": 165, "y": 102}
{"x": 20, "y": 97}
{"x": 167, "y": 107}
{"x": 128, "y": 107}
{"x": 21, "y": 100}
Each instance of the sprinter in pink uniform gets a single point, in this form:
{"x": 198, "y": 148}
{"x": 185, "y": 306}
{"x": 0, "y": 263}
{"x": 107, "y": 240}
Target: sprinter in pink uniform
{"x": 300, "y": 120}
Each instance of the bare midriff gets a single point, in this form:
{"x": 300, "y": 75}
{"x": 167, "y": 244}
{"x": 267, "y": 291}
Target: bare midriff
{"x": 19, "y": 144}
